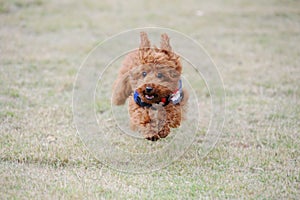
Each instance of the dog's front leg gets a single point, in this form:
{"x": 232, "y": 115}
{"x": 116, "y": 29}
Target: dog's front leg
{"x": 143, "y": 120}
{"x": 174, "y": 115}
{"x": 153, "y": 127}
{"x": 158, "y": 124}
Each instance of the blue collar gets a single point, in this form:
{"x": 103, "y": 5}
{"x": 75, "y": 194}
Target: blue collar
{"x": 175, "y": 98}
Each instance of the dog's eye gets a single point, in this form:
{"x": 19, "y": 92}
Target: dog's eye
{"x": 144, "y": 74}
{"x": 159, "y": 75}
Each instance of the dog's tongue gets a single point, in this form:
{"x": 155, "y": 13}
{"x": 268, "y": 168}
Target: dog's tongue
{"x": 149, "y": 97}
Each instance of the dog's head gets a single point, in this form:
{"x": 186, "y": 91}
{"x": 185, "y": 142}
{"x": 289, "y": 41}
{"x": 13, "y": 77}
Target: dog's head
{"x": 158, "y": 74}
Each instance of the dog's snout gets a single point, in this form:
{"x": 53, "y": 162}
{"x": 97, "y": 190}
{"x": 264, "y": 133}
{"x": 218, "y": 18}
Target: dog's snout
{"x": 149, "y": 89}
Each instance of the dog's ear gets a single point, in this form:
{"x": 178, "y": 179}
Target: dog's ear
{"x": 165, "y": 43}
{"x": 145, "y": 43}
{"x": 165, "y": 46}
{"x": 121, "y": 89}
{"x": 144, "y": 50}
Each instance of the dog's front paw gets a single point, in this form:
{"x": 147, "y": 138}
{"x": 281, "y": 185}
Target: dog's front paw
{"x": 152, "y": 137}
{"x": 164, "y": 132}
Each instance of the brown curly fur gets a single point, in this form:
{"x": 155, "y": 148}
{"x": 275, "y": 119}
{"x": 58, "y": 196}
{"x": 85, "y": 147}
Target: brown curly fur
{"x": 155, "y": 121}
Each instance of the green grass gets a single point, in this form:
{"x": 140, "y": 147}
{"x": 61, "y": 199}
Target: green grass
{"x": 255, "y": 46}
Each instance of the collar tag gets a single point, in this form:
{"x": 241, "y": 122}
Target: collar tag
{"x": 177, "y": 96}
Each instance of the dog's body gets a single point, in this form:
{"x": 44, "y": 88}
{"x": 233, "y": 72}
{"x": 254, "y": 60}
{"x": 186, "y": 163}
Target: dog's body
{"x": 150, "y": 78}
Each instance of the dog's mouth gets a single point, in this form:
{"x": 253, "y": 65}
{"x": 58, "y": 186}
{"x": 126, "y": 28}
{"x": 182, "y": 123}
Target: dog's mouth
{"x": 150, "y": 93}
{"x": 150, "y": 96}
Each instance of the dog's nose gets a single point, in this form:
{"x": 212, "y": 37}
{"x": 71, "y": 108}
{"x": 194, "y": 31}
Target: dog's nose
{"x": 149, "y": 89}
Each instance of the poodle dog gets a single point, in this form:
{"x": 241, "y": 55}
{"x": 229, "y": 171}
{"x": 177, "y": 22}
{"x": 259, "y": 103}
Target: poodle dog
{"x": 151, "y": 79}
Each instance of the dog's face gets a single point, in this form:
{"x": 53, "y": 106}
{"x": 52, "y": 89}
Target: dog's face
{"x": 158, "y": 71}
{"x": 153, "y": 73}
{"x": 154, "y": 82}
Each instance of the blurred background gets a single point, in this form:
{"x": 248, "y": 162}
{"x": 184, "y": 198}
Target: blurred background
{"x": 255, "y": 45}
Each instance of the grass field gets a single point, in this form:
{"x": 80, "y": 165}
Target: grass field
{"x": 255, "y": 45}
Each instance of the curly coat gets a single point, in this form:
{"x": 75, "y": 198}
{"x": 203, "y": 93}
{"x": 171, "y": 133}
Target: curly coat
{"x": 153, "y": 74}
